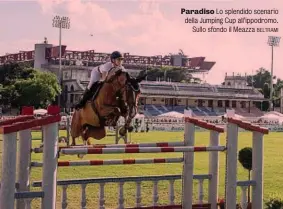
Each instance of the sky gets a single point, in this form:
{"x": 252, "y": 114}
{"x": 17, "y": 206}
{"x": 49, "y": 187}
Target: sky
{"x": 148, "y": 27}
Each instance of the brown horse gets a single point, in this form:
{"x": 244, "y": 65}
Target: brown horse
{"x": 117, "y": 96}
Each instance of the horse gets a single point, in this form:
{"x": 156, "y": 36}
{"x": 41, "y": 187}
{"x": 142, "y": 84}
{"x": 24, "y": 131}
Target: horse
{"x": 116, "y": 96}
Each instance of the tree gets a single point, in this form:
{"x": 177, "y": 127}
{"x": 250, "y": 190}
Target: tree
{"x": 23, "y": 86}
{"x": 38, "y": 91}
{"x": 261, "y": 81}
{"x": 277, "y": 88}
{"x": 258, "y": 80}
{"x": 173, "y": 73}
{"x": 10, "y": 72}
{"x": 8, "y": 95}
{"x": 245, "y": 157}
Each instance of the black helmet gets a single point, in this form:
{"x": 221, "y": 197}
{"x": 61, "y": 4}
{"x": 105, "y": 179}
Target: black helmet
{"x": 116, "y": 54}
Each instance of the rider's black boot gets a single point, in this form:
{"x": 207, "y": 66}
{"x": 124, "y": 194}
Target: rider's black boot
{"x": 86, "y": 96}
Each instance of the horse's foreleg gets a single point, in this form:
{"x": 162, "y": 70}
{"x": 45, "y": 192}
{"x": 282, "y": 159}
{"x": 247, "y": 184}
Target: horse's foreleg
{"x": 73, "y": 141}
{"x": 84, "y": 134}
{"x": 85, "y": 137}
{"x": 124, "y": 129}
{"x": 127, "y": 127}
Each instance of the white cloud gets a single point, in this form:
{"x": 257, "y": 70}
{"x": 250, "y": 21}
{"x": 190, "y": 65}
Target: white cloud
{"x": 47, "y": 6}
{"x": 157, "y": 34}
{"x": 84, "y": 16}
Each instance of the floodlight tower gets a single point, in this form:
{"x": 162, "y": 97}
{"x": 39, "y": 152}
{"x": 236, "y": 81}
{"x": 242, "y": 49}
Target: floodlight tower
{"x": 60, "y": 22}
{"x": 273, "y": 41}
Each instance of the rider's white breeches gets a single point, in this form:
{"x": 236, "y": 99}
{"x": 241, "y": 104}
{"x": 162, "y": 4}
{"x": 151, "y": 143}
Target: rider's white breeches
{"x": 94, "y": 76}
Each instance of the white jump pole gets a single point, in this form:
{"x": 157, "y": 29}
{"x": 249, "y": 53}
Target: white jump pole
{"x": 68, "y": 122}
{"x": 49, "y": 182}
{"x": 257, "y": 158}
{"x": 257, "y": 170}
{"x": 232, "y": 148}
{"x": 189, "y": 140}
{"x": 188, "y": 166}
{"x": 24, "y": 160}
{"x": 214, "y": 171}
{"x": 8, "y": 182}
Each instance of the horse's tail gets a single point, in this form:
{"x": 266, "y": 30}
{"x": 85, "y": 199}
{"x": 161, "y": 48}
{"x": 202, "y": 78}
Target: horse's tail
{"x": 75, "y": 125}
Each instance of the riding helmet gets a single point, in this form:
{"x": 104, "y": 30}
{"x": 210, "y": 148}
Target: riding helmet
{"x": 116, "y": 54}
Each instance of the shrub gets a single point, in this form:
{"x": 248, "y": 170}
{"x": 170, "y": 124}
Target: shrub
{"x": 274, "y": 204}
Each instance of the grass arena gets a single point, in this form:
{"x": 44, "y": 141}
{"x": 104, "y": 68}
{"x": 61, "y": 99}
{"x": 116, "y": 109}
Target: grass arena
{"x": 77, "y": 195}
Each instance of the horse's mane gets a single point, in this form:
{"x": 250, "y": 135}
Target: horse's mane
{"x": 115, "y": 71}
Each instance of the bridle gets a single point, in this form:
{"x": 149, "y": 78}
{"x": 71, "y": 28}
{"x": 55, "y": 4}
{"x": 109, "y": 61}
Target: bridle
{"x": 135, "y": 93}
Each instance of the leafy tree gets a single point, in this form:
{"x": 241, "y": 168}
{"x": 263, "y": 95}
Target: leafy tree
{"x": 277, "y": 89}
{"x": 10, "y": 72}
{"x": 38, "y": 91}
{"x": 174, "y": 74}
{"x": 23, "y": 86}
{"x": 8, "y": 94}
{"x": 245, "y": 157}
{"x": 261, "y": 81}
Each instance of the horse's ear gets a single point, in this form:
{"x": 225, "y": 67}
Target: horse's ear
{"x": 140, "y": 78}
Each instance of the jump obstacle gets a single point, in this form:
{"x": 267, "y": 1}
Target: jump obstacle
{"x": 20, "y": 190}
{"x": 66, "y": 138}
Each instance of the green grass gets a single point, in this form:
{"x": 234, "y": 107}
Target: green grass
{"x": 273, "y": 172}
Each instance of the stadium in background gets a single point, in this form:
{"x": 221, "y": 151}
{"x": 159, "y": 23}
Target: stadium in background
{"x": 157, "y": 97}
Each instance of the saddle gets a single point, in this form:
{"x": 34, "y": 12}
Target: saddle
{"x": 95, "y": 88}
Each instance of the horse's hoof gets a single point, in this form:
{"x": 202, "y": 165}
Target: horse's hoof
{"x": 116, "y": 111}
{"x": 122, "y": 131}
{"x": 81, "y": 156}
{"x": 131, "y": 128}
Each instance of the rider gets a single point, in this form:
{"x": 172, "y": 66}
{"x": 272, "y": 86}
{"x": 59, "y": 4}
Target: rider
{"x": 98, "y": 73}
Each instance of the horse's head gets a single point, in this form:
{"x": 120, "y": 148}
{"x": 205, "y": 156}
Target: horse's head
{"x": 118, "y": 78}
{"x": 131, "y": 94}
{"x": 130, "y": 97}
{"x": 128, "y": 88}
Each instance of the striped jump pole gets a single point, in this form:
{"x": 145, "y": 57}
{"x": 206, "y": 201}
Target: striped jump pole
{"x": 76, "y": 151}
{"x": 112, "y": 162}
{"x": 158, "y": 144}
